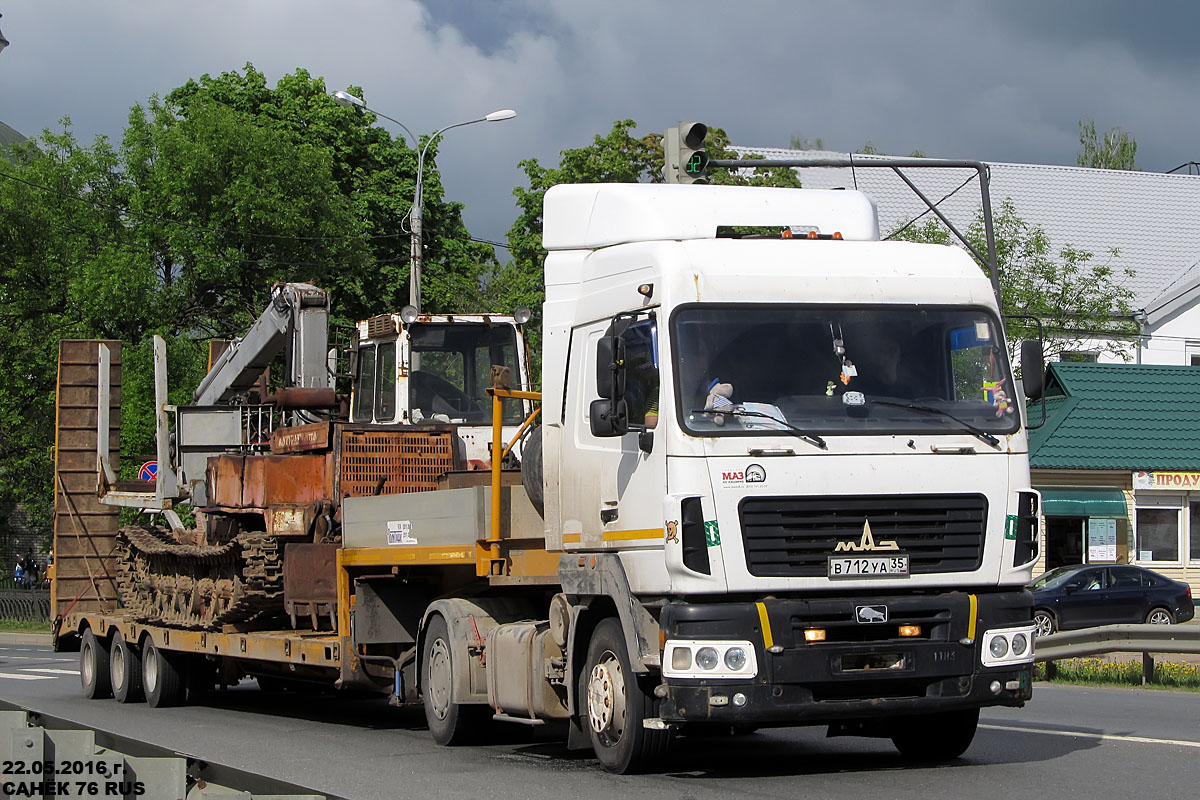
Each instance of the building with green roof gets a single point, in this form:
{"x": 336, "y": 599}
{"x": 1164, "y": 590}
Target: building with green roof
{"x": 1118, "y": 464}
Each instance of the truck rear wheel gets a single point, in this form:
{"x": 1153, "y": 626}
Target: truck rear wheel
{"x": 93, "y": 667}
{"x": 450, "y": 723}
{"x": 613, "y": 706}
{"x": 125, "y": 669}
{"x": 162, "y": 677}
{"x": 935, "y": 737}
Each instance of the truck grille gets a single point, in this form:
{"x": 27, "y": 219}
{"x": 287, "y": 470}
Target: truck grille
{"x": 793, "y": 536}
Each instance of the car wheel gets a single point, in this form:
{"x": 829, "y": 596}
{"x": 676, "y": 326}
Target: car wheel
{"x": 1043, "y": 623}
{"x": 1160, "y": 616}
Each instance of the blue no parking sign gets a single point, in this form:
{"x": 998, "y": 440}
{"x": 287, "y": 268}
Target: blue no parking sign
{"x": 148, "y": 471}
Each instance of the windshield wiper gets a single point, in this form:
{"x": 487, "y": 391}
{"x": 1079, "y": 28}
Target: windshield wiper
{"x": 967, "y": 427}
{"x": 811, "y": 438}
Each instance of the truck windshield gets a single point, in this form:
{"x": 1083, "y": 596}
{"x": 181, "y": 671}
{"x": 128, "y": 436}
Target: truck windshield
{"x": 450, "y": 371}
{"x": 748, "y": 369}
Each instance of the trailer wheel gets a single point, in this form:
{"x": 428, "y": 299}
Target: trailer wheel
{"x": 613, "y": 706}
{"x": 125, "y": 669}
{"x": 935, "y": 737}
{"x": 450, "y": 723}
{"x": 93, "y": 667}
{"x": 162, "y": 677}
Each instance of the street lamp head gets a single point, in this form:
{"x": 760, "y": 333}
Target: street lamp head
{"x": 347, "y": 99}
{"x": 498, "y": 116}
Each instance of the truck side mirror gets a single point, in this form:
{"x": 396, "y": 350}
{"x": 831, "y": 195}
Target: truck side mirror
{"x": 610, "y": 367}
{"x": 609, "y": 417}
{"x": 1033, "y": 369}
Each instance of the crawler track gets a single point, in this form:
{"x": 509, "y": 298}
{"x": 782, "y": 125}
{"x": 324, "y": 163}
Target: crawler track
{"x": 199, "y": 587}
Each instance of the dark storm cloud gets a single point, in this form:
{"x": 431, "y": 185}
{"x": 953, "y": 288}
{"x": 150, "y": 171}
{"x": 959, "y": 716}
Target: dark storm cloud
{"x": 998, "y": 81}
{"x": 1156, "y": 32}
{"x": 487, "y": 24}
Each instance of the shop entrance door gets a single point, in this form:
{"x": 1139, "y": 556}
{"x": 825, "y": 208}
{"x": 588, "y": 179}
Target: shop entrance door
{"x": 1064, "y": 541}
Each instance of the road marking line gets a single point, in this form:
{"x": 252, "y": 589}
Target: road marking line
{"x": 51, "y": 670}
{"x": 1108, "y": 737}
{"x": 17, "y": 677}
{"x": 36, "y": 658}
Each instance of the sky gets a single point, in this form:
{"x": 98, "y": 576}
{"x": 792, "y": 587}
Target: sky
{"x": 994, "y": 81}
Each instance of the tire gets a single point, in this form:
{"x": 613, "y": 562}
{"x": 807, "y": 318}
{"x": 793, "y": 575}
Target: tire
{"x": 935, "y": 737}
{"x": 531, "y": 469}
{"x": 1160, "y": 616}
{"x": 93, "y": 667}
{"x": 1044, "y": 623}
{"x": 613, "y": 705}
{"x": 125, "y": 670}
{"x": 163, "y": 677}
{"x": 450, "y": 723}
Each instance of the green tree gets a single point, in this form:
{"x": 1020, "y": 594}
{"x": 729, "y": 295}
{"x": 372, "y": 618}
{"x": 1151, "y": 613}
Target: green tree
{"x": 1114, "y": 149}
{"x": 214, "y": 192}
{"x": 1079, "y": 300}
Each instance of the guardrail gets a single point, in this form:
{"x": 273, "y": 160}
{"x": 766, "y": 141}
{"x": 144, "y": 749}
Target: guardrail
{"x": 1144, "y": 639}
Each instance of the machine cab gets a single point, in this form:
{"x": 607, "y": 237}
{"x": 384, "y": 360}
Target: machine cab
{"x": 435, "y": 368}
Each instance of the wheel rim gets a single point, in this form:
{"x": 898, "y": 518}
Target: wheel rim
{"x": 117, "y": 665}
{"x": 87, "y": 667}
{"x": 150, "y": 668}
{"x": 1159, "y": 617}
{"x": 1044, "y": 626}
{"x": 606, "y": 699}
{"x": 440, "y": 678}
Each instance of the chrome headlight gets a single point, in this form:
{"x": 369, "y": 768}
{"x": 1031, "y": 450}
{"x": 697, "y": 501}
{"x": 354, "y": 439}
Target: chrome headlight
{"x": 709, "y": 659}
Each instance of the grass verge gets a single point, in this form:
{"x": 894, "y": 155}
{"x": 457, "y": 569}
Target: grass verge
{"x": 1099, "y": 672}
{"x": 24, "y": 626}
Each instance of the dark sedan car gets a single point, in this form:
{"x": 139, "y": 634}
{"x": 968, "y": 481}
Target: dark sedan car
{"x": 1085, "y": 595}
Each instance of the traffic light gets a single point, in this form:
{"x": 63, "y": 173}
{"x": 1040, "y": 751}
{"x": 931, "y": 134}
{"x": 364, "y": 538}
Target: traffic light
{"x": 684, "y": 159}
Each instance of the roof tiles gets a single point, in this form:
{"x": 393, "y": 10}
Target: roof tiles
{"x": 1119, "y": 416}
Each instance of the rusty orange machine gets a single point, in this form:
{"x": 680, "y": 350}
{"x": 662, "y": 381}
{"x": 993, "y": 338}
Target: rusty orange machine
{"x": 299, "y": 565}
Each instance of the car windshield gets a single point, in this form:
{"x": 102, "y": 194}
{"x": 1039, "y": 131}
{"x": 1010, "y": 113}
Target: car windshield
{"x": 750, "y": 369}
{"x": 1054, "y": 577}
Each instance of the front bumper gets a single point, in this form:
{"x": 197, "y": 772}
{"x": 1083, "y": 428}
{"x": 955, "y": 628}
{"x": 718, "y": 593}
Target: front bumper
{"x": 838, "y": 679}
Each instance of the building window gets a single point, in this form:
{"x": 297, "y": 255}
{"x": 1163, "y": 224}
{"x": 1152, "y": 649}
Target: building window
{"x": 1194, "y": 533}
{"x": 1080, "y": 356}
{"x": 1191, "y": 352}
{"x": 1157, "y": 537}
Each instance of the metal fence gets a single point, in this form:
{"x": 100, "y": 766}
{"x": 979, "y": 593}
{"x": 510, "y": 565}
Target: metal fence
{"x": 1144, "y": 639}
{"x": 25, "y": 604}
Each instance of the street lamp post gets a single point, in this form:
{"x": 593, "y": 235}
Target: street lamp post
{"x": 415, "y": 216}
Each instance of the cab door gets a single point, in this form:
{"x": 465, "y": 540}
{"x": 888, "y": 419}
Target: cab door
{"x": 612, "y": 486}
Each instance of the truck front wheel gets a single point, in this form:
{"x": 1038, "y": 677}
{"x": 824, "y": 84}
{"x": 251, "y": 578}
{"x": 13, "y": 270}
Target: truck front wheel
{"x": 450, "y": 723}
{"x": 935, "y": 737}
{"x": 613, "y": 706}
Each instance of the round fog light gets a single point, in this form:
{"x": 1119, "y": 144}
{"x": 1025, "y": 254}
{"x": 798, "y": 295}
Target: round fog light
{"x": 739, "y": 699}
{"x": 999, "y": 647}
{"x": 1019, "y": 644}
{"x": 995, "y": 687}
{"x": 735, "y": 658}
{"x": 706, "y": 658}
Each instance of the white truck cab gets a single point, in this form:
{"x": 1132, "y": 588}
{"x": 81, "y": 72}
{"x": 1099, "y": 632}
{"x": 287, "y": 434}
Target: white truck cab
{"x": 802, "y": 446}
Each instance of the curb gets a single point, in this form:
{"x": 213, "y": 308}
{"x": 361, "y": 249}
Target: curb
{"x": 43, "y": 639}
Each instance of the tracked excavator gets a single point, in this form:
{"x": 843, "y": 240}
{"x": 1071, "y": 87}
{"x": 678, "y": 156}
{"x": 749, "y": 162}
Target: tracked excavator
{"x": 265, "y": 469}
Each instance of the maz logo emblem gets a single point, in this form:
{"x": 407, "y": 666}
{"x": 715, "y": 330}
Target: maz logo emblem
{"x": 868, "y": 614}
{"x": 867, "y": 542}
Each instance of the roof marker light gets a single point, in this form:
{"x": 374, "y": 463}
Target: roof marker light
{"x": 837, "y": 235}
